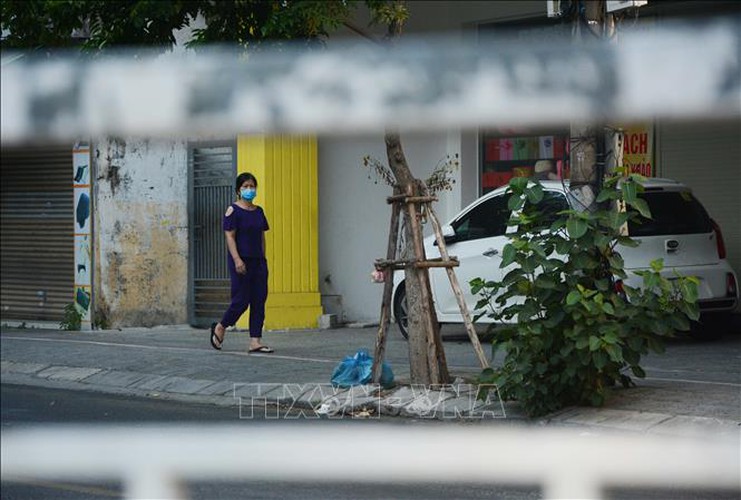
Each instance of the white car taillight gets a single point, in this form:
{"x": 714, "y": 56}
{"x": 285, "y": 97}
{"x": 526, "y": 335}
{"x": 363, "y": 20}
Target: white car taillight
{"x": 719, "y": 240}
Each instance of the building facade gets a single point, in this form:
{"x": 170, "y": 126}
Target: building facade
{"x": 133, "y": 236}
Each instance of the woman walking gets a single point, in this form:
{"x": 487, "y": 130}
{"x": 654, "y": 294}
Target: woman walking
{"x": 244, "y": 226}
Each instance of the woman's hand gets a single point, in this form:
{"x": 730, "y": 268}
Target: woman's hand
{"x": 240, "y": 266}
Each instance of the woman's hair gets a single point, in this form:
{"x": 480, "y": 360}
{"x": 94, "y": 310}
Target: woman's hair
{"x": 242, "y": 178}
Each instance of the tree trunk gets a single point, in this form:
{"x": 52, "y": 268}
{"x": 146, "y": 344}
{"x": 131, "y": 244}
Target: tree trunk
{"x": 426, "y": 361}
{"x": 424, "y": 345}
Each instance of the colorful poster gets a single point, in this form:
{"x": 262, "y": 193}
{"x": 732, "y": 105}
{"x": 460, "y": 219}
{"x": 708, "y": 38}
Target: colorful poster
{"x": 526, "y": 148}
{"x": 83, "y": 232}
{"x": 559, "y": 148}
{"x": 545, "y": 147}
{"x": 506, "y": 149}
{"x": 638, "y": 149}
{"x": 492, "y": 150}
{"x": 520, "y": 150}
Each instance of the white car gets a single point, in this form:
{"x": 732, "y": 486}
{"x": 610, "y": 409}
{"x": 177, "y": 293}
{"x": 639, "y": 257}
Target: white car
{"x": 680, "y": 232}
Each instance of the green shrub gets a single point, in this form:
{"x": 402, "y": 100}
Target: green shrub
{"x": 72, "y": 319}
{"x": 568, "y": 334}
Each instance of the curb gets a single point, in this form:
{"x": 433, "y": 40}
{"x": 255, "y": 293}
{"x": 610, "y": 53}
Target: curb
{"x": 454, "y": 402}
{"x": 457, "y": 403}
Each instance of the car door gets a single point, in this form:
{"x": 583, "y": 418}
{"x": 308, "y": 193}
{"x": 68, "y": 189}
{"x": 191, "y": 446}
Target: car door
{"x": 478, "y": 243}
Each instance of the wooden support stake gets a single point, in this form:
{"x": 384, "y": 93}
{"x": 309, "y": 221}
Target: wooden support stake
{"x": 431, "y": 263}
{"x": 457, "y": 292}
{"x": 380, "y": 350}
{"x": 435, "y": 356}
{"x": 403, "y": 198}
{"x": 401, "y": 264}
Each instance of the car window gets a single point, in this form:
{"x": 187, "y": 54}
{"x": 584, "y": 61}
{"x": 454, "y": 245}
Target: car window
{"x": 487, "y": 219}
{"x": 552, "y": 203}
{"x": 672, "y": 212}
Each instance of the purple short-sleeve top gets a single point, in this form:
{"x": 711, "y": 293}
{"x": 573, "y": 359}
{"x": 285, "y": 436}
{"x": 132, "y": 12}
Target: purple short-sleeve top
{"x": 249, "y": 226}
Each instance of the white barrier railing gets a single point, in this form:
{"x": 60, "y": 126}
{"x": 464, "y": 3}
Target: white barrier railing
{"x": 157, "y": 462}
{"x": 675, "y": 71}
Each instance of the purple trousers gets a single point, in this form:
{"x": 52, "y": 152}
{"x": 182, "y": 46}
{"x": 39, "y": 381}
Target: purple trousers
{"x": 249, "y": 290}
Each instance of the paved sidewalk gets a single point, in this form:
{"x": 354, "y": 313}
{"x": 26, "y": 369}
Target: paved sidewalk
{"x": 178, "y": 363}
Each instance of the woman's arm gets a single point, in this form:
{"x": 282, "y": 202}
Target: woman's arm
{"x": 231, "y": 245}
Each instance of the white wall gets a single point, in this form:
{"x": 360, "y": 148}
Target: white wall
{"x": 354, "y": 217}
{"x": 141, "y": 232}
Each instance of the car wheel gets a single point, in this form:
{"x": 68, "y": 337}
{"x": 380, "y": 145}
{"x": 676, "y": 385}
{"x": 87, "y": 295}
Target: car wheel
{"x": 400, "y": 309}
{"x": 711, "y": 326}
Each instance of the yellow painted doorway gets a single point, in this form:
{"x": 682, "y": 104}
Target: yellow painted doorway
{"x": 286, "y": 172}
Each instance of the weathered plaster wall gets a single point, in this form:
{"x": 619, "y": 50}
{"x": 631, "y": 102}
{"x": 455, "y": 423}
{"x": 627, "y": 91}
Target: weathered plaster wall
{"x": 141, "y": 232}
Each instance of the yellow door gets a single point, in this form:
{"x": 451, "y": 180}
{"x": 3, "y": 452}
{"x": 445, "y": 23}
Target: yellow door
{"x": 286, "y": 171}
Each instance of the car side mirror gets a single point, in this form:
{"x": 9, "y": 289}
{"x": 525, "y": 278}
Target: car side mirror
{"x": 448, "y": 234}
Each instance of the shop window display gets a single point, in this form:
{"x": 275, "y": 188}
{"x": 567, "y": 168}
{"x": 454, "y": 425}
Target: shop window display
{"x": 544, "y": 156}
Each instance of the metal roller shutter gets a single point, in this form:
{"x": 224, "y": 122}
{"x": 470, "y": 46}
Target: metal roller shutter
{"x": 707, "y": 157}
{"x": 212, "y": 170}
{"x": 37, "y": 226}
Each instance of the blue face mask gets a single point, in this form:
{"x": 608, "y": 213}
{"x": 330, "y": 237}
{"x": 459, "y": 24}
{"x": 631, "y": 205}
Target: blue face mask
{"x": 248, "y": 194}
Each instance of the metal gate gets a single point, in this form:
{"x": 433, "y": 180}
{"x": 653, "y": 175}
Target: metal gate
{"x": 36, "y": 235}
{"x": 211, "y": 171}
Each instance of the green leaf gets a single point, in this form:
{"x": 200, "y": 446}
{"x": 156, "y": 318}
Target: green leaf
{"x": 594, "y": 343}
{"x": 566, "y": 350}
{"x": 509, "y": 253}
{"x": 638, "y": 371}
{"x": 689, "y": 291}
{"x": 518, "y": 184}
{"x": 555, "y": 318}
{"x": 602, "y": 240}
{"x": 599, "y": 359}
{"x": 627, "y": 241}
{"x": 606, "y": 194}
{"x": 615, "y": 352}
{"x": 487, "y": 376}
{"x": 535, "y": 194}
{"x": 630, "y": 192}
{"x": 642, "y": 207}
{"x": 616, "y": 261}
{"x": 576, "y": 227}
{"x": 679, "y": 322}
{"x": 573, "y": 297}
{"x": 614, "y": 219}
{"x": 563, "y": 246}
{"x": 610, "y": 338}
{"x": 515, "y": 203}
{"x": 657, "y": 265}
{"x": 607, "y": 307}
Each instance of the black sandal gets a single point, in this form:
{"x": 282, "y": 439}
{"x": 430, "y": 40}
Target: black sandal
{"x": 263, "y": 349}
{"x": 214, "y": 336}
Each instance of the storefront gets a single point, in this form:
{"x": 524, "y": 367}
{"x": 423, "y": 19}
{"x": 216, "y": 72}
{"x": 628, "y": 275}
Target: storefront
{"x": 37, "y": 242}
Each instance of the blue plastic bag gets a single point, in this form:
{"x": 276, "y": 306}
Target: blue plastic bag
{"x": 358, "y": 370}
